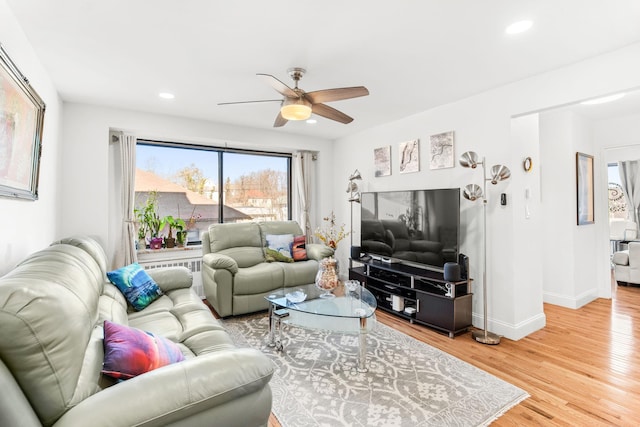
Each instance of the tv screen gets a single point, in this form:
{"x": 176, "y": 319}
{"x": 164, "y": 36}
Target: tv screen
{"x": 415, "y": 227}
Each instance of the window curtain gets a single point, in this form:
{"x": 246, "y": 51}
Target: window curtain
{"x": 630, "y": 180}
{"x": 304, "y": 176}
{"x": 125, "y": 252}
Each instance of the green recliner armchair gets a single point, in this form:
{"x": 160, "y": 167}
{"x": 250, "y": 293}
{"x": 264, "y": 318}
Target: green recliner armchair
{"x": 236, "y": 274}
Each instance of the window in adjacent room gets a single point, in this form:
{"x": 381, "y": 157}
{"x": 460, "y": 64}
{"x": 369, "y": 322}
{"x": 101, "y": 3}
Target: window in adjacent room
{"x": 207, "y": 185}
{"x": 617, "y": 198}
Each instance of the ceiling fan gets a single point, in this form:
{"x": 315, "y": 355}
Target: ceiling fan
{"x": 298, "y": 104}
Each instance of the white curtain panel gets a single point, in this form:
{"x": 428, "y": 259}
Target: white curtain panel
{"x": 303, "y": 178}
{"x": 125, "y": 248}
{"x": 630, "y": 180}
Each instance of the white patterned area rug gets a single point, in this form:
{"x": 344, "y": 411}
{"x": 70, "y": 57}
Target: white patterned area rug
{"x": 408, "y": 383}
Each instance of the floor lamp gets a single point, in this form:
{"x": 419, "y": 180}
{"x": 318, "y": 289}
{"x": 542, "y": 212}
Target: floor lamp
{"x": 354, "y": 196}
{"x": 473, "y": 192}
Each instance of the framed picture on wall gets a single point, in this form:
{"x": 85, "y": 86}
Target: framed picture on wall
{"x": 584, "y": 189}
{"x": 21, "y": 122}
{"x": 382, "y": 161}
{"x": 441, "y": 150}
{"x": 409, "y": 153}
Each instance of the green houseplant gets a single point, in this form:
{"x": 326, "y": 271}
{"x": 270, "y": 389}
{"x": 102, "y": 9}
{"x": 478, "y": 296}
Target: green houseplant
{"x": 149, "y": 221}
{"x": 173, "y": 223}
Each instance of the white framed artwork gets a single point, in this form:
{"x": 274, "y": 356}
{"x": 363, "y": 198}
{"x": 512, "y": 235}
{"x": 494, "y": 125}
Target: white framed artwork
{"x": 382, "y": 161}
{"x": 441, "y": 153}
{"x": 409, "y": 153}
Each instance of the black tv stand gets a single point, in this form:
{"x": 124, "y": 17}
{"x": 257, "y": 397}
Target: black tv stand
{"x": 445, "y": 306}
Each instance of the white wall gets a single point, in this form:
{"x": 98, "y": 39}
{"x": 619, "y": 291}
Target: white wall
{"x": 87, "y": 162}
{"x": 28, "y": 226}
{"x": 483, "y": 123}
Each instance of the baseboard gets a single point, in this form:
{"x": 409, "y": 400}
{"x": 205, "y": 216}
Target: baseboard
{"x": 570, "y": 301}
{"x": 513, "y": 331}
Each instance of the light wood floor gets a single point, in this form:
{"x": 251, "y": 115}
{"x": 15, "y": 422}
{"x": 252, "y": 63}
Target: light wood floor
{"x": 582, "y": 369}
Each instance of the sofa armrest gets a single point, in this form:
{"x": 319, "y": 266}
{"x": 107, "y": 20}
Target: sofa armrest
{"x": 318, "y": 251}
{"x": 621, "y": 258}
{"x": 219, "y": 261}
{"x": 172, "y": 393}
{"x": 170, "y": 278}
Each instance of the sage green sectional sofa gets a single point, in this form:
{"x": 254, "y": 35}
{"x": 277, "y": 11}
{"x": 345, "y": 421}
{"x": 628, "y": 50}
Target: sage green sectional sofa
{"x": 53, "y": 307}
{"x": 236, "y": 273}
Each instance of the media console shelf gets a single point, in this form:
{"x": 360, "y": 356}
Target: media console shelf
{"x": 438, "y": 304}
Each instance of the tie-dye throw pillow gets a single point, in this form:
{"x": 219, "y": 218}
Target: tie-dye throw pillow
{"x": 129, "y": 351}
{"x": 136, "y": 285}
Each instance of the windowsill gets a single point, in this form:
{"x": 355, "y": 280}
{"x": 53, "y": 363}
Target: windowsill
{"x": 171, "y": 254}
{"x": 165, "y": 250}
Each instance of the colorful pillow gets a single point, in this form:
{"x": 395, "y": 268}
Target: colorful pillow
{"x": 136, "y": 285}
{"x": 279, "y": 247}
{"x": 299, "y": 248}
{"x": 129, "y": 351}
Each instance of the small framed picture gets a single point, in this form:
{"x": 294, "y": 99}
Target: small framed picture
{"x": 584, "y": 189}
{"x": 382, "y": 161}
{"x": 441, "y": 154}
{"x": 409, "y": 156}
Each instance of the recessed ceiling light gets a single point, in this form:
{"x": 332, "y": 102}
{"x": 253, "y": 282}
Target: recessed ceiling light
{"x": 312, "y": 121}
{"x": 604, "y": 99}
{"x": 518, "y": 27}
{"x": 166, "y": 95}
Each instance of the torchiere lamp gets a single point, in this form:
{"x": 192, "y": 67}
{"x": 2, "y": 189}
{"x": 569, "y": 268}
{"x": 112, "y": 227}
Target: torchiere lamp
{"x": 354, "y": 195}
{"x": 473, "y": 192}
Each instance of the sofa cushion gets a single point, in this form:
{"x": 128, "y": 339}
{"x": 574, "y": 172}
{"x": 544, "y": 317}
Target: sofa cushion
{"x": 300, "y": 273}
{"x": 299, "y": 248}
{"x": 241, "y": 241}
{"x": 136, "y": 285}
{"x": 279, "y": 247}
{"x": 261, "y": 278}
{"x": 129, "y": 352}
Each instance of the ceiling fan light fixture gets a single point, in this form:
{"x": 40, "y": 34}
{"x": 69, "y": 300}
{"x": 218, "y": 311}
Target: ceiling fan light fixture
{"x": 296, "y": 109}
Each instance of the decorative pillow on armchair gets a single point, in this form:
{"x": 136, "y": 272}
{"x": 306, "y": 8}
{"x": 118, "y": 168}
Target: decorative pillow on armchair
{"x": 129, "y": 351}
{"x": 279, "y": 247}
{"x": 136, "y": 285}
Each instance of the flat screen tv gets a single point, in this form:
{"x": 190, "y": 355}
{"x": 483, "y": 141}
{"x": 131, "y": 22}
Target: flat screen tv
{"x": 414, "y": 227}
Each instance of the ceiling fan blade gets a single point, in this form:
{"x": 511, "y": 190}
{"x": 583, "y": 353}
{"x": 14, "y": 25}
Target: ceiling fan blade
{"x": 328, "y": 95}
{"x": 249, "y": 102}
{"x": 331, "y": 113}
{"x": 278, "y": 85}
{"x": 280, "y": 121}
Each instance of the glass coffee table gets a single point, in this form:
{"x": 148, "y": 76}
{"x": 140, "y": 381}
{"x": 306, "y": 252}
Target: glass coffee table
{"x": 351, "y": 311}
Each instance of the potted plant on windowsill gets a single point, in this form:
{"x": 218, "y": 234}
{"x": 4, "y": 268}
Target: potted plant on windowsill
{"x": 173, "y": 223}
{"x": 149, "y": 221}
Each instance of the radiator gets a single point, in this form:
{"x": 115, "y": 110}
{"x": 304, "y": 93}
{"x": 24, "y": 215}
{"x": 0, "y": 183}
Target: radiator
{"x": 193, "y": 264}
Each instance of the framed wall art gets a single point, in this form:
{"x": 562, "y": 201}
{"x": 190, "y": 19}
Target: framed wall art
{"x": 382, "y": 161}
{"x": 584, "y": 189}
{"x": 409, "y": 156}
{"x": 441, "y": 153}
{"x": 21, "y": 123}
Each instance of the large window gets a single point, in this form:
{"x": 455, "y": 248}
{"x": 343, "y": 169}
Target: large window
{"x": 205, "y": 185}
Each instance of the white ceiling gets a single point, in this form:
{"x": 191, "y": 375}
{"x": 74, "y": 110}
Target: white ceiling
{"x": 412, "y": 55}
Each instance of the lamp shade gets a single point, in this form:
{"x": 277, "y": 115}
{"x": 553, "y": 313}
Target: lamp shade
{"x": 355, "y": 198}
{"x": 499, "y": 173}
{"x": 469, "y": 159}
{"x": 472, "y": 192}
{"x": 296, "y": 109}
{"x": 355, "y": 175}
{"x": 351, "y": 187}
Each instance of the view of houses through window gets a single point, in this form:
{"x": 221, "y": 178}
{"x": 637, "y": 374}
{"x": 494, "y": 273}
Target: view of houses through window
{"x": 203, "y": 186}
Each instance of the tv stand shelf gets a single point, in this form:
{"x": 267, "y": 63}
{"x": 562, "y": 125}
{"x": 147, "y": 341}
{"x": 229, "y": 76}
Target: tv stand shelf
{"x": 438, "y": 304}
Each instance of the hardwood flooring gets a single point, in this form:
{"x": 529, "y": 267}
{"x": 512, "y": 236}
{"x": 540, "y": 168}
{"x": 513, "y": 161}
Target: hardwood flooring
{"x": 582, "y": 369}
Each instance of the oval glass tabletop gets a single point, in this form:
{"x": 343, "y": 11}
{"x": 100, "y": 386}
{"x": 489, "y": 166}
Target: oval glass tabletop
{"x": 356, "y": 303}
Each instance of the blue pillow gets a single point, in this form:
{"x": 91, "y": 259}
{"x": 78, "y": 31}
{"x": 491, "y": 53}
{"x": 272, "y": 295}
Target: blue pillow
{"x": 129, "y": 351}
{"x": 136, "y": 285}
